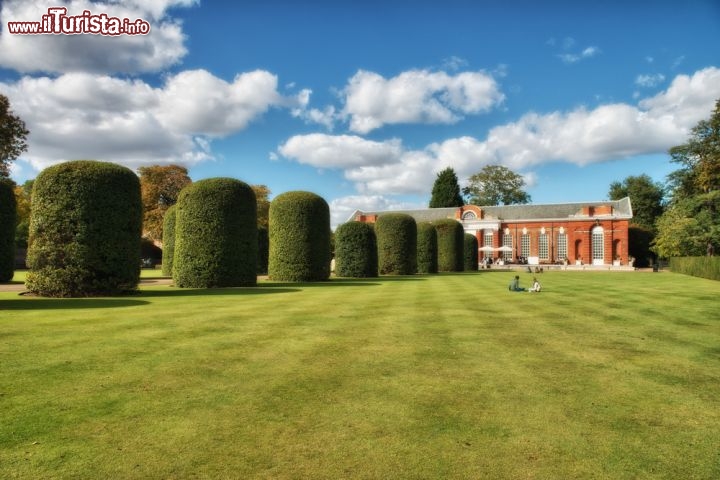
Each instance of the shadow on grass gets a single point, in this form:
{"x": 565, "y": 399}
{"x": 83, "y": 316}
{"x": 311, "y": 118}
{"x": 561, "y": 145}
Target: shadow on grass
{"x": 199, "y": 292}
{"x": 68, "y": 303}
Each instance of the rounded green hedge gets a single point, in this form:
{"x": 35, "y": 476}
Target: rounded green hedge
{"x": 426, "y": 248}
{"x": 299, "y": 224}
{"x": 450, "y": 239}
{"x": 470, "y": 252}
{"x": 168, "y": 245}
{"x": 7, "y": 231}
{"x": 356, "y": 250}
{"x": 397, "y": 244}
{"x": 263, "y": 250}
{"x": 85, "y": 228}
{"x": 216, "y": 235}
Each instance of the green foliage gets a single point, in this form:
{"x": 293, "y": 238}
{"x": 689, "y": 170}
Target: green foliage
{"x": 427, "y": 256}
{"x": 168, "y": 251}
{"x": 216, "y": 235}
{"x": 160, "y": 186}
{"x": 299, "y": 238}
{"x": 646, "y": 198}
{"x": 496, "y": 185}
{"x": 356, "y": 252}
{"x": 13, "y": 136}
{"x": 446, "y": 191}
{"x": 84, "y": 230}
{"x": 397, "y": 244}
{"x": 263, "y": 246}
{"x": 705, "y": 267}
{"x": 8, "y": 211}
{"x": 688, "y": 225}
{"x": 450, "y": 239}
{"x": 470, "y": 252}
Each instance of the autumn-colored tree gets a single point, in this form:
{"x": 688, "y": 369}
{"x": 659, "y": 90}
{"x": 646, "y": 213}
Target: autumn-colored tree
{"x": 160, "y": 186}
{"x": 23, "y": 195}
{"x": 263, "y": 204}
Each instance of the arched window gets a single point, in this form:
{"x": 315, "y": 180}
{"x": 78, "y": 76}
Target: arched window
{"x": 598, "y": 245}
{"x": 469, "y": 215}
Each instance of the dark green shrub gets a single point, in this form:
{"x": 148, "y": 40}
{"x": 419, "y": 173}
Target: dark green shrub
{"x": 168, "y": 250}
{"x": 356, "y": 250}
{"x": 216, "y": 235}
{"x": 85, "y": 230}
{"x": 426, "y": 248}
{"x": 7, "y": 231}
{"x": 450, "y": 236}
{"x": 397, "y": 244}
{"x": 150, "y": 253}
{"x": 263, "y": 250}
{"x": 704, "y": 267}
{"x": 470, "y": 253}
{"x": 299, "y": 238}
{"x": 639, "y": 241}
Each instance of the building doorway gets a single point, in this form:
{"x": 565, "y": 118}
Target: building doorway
{"x": 598, "y": 245}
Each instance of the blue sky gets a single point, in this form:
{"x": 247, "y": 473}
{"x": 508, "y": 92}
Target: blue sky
{"x": 364, "y": 102}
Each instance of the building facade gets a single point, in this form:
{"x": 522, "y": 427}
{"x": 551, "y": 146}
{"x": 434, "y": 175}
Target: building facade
{"x": 588, "y": 233}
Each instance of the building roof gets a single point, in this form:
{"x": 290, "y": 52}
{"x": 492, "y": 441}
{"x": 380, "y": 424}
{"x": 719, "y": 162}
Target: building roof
{"x": 555, "y": 211}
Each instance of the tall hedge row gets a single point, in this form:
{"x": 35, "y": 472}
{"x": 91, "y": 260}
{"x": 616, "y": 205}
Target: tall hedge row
{"x": 426, "y": 248}
{"x": 397, "y": 244}
{"x": 299, "y": 224}
{"x": 470, "y": 252}
{"x": 85, "y": 228}
{"x": 450, "y": 239}
{"x": 263, "y": 250}
{"x": 356, "y": 250}
{"x": 168, "y": 239}
{"x": 216, "y": 235}
{"x": 704, "y": 267}
{"x": 7, "y": 231}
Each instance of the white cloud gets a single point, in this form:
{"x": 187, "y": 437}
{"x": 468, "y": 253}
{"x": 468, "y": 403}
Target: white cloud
{"x": 162, "y": 47}
{"x": 417, "y": 96}
{"x": 81, "y": 115}
{"x": 649, "y": 80}
{"x": 342, "y": 208}
{"x": 580, "y": 136}
{"x": 587, "y": 52}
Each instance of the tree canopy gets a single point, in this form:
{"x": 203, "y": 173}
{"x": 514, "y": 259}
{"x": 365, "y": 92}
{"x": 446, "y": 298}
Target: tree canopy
{"x": 446, "y": 190}
{"x": 496, "y": 185}
{"x": 160, "y": 186}
{"x": 692, "y": 219}
{"x": 13, "y": 135}
{"x": 646, "y": 198}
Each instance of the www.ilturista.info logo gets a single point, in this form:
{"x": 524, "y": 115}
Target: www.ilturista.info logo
{"x": 58, "y": 22}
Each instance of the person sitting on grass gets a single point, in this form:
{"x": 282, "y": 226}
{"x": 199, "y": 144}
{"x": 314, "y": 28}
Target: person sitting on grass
{"x": 536, "y": 286}
{"x": 515, "y": 285}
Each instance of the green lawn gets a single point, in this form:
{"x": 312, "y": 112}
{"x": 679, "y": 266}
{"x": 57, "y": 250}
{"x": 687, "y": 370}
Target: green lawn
{"x": 602, "y": 375}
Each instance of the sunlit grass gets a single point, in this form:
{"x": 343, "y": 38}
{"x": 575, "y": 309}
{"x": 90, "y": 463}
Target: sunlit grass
{"x": 602, "y": 375}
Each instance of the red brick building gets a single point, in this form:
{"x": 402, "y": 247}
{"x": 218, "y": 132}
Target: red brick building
{"x": 594, "y": 233}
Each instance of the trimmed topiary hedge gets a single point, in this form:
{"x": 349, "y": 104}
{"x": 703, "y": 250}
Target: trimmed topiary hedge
{"x": 216, "y": 235}
{"x": 356, "y": 250}
{"x": 704, "y": 267}
{"x": 299, "y": 238}
{"x": 7, "y": 231}
{"x": 168, "y": 250}
{"x": 426, "y": 248}
{"x": 85, "y": 228}
{"x": 450, "y": 237}
{"x": 470, "y": 252}
{"x": 397, "y": 244}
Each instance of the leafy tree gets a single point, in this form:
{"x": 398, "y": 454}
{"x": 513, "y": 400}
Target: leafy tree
{"x": 8, "y": 211}
{"x": 446, "y": 191}
{"x": 496, "y": 185}
{"x": 160, "y": 186}
{"x": 692, "y": 219}
{"x": 23, "y": 197}
{"x": 13, "y": 135}
{"x": 646, "y": 198}
{"x": 263, "y": 204}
